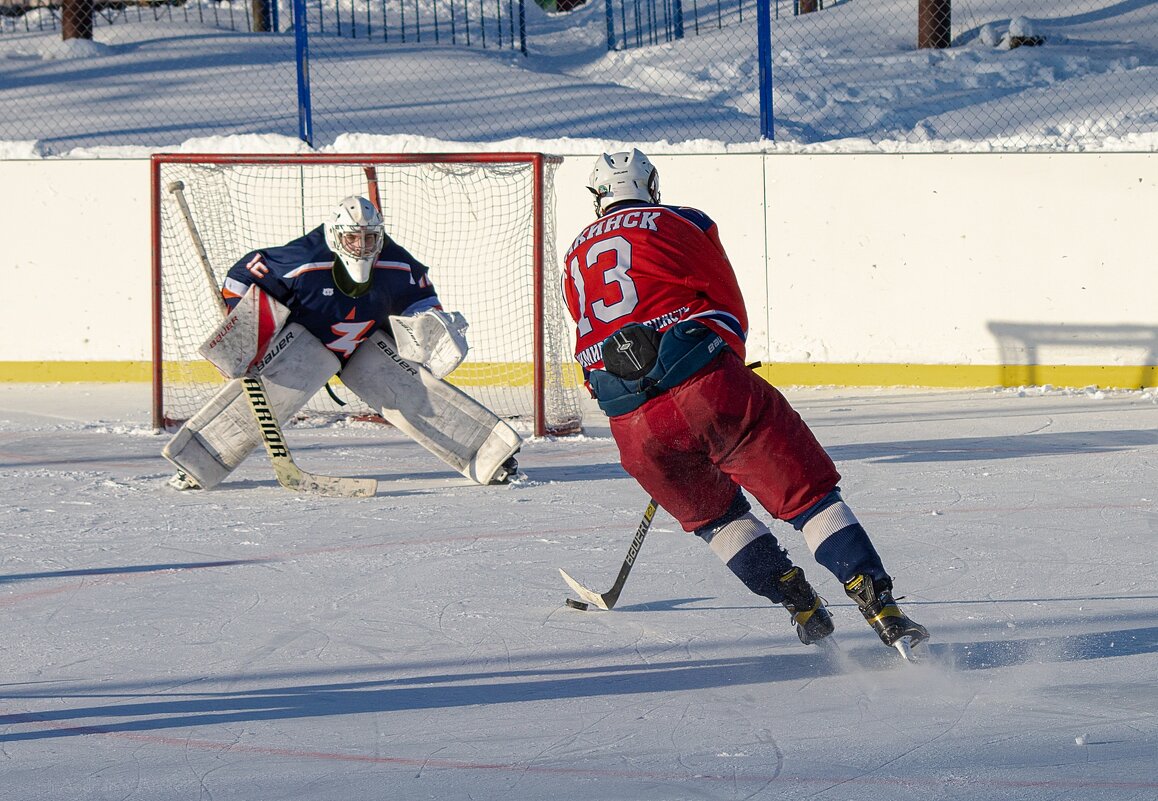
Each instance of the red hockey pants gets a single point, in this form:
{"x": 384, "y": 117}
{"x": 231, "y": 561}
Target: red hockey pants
{"x": 725, "y": 426}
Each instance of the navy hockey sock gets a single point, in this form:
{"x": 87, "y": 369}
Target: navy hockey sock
{"x": 760, "y": 564}
{"x": 837, "y": 539}
{"x": 748, "y": 548}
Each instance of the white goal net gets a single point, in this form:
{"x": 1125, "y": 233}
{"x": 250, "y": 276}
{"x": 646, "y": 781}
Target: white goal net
{"x": 483, "y": 224}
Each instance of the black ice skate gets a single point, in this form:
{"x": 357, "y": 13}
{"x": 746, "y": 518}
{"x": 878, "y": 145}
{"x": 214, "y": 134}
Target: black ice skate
{"x": 183, "y": 481}
{"x": 812, "y": 620}
{"x": 875, "y": 600}
{"x": 508, "y": 471}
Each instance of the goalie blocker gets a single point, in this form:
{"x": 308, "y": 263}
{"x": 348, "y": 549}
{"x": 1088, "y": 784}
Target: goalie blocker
{"x": 295, "y": 365}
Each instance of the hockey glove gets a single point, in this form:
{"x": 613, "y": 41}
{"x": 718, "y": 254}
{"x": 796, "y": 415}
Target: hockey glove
{"x": 434, "y": 338}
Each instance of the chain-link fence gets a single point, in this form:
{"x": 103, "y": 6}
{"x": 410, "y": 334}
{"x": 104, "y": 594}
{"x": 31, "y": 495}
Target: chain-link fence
{"x": 1000, "y": 73}
{"x": 467, "y": 23}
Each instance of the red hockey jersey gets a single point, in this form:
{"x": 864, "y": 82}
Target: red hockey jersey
{"x": 651, "y": 264}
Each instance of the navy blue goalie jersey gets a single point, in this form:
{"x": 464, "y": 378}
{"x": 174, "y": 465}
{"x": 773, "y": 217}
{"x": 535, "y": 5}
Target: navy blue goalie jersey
{"x": 300, "y": 275}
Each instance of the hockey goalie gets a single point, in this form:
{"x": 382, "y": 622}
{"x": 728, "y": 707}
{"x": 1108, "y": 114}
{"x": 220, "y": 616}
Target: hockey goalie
{"x": 344, "y": 299}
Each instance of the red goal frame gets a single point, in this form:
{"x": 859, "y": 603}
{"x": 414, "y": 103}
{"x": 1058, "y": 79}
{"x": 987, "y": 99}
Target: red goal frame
{"x": 539, "y": 162}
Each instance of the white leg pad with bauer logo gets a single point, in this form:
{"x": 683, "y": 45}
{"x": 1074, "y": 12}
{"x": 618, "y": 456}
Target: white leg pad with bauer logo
{"x": 442, "y": 418}
{"x": 217, "y": 439}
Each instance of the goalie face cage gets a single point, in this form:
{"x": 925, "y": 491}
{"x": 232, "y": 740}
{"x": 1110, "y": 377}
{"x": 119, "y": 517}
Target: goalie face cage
{"x": 483, "y": 224}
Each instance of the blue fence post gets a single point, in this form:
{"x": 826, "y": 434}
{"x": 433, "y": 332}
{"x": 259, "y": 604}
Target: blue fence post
{"x": 678, "y": 18}
{"x": 764, "y": 59}
{"x": 522, "y": 27}
{"x": 610, "y": 26}
{"x": 302, "y": 53}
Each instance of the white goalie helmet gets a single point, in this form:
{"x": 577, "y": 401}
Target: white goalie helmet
{"x": 356, "y": 233}
{"x": 623, "y": 176}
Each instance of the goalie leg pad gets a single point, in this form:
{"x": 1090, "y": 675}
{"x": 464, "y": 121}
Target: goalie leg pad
{"x": 218, "y": 438}
{"x": 215, "y": 440}
{"x": 442, "y": 418}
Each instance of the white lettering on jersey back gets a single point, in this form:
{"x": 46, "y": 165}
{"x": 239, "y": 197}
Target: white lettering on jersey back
{"x": 593, "y": 354}
{"x": 634, "y": 218}
{"x": 350, "y": 336}
{"x": 641, "y": 219}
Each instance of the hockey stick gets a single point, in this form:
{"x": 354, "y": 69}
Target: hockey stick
{"x": 288, "y": 474}
{"x": 607, "y": 599}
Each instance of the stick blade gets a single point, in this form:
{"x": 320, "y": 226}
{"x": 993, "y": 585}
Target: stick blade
{"x": 587, "y": 595}
{"x": 296, "y": 479}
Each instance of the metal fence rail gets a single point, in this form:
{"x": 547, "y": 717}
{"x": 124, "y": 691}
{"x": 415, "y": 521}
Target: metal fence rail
{"x": 497, "y": 24}
{"x": 640, "y": 23}
{"x": 487, "y": 24}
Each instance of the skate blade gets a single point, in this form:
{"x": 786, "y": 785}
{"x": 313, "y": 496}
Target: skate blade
{"x": 829, "y": 645}
{"x": 908, "y": 649}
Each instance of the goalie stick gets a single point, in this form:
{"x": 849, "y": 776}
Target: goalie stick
{"x": 607, "y": 600}
{"x": 288, "y": 474}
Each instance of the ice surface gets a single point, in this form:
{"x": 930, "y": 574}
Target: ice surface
{"x": 249, "y": 643}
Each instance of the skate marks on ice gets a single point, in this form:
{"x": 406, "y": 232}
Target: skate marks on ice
{"x": 418, "y": 647}
{"x": 995, "y": 654}
{"x": 958, "y": 449}
{"x": 727, "y": 720}
{"x": 1109, "y": 644}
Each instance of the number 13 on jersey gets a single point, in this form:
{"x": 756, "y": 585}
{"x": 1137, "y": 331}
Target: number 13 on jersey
{"x": 603, "y": 287}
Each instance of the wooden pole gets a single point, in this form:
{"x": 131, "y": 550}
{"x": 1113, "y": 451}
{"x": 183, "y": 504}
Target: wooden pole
{"x": 934, "y": 28}
{"x": 76, "y": 19}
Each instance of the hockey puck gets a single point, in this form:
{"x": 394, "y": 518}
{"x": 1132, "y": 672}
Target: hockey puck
{"x": 582, "y": 607}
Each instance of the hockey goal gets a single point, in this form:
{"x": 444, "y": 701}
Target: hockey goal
{"x": 483, "y": 223}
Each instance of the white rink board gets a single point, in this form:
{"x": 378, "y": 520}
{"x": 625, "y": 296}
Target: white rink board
{"x": 939, "y": 259}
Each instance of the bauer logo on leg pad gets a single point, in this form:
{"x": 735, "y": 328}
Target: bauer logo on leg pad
{"x": 281, "y": 344}
{"x": 243, "y": 338}
{"x": 405, "y": 365}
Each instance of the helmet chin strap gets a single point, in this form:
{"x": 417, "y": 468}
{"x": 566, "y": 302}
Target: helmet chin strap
{"x": 345, "y": 282}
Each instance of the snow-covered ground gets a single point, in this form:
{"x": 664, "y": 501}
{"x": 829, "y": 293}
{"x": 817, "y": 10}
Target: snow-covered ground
{"x": 249, "y": 643}
{"x": 847, "y": 79}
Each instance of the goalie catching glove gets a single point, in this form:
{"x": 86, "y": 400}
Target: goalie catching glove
{"x": 433, "y": 338}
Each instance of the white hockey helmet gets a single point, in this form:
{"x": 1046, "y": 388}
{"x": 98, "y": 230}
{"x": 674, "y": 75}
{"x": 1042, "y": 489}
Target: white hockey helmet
{"x": 623, "y": 176}
{"x": 356, "y": 233}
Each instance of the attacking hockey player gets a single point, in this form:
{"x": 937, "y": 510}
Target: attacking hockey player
{"x": 343, "y": 299}
{"x": 660, "y": 330}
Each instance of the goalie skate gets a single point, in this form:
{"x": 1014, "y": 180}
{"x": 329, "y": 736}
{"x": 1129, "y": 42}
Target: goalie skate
{"x": 182, "y": 481}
